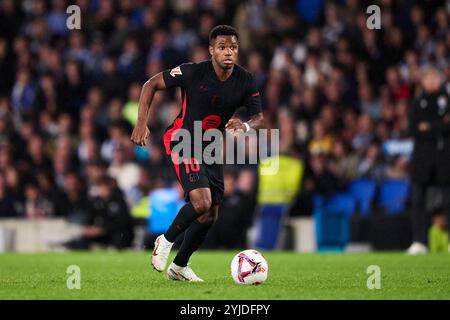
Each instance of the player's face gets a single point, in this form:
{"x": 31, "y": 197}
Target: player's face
{"x": 224, "y": 51}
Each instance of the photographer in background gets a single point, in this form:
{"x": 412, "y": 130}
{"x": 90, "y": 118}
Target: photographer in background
{"x": 430, "y": 163}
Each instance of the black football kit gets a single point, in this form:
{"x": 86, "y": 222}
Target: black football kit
{"x": 207, "y": 99}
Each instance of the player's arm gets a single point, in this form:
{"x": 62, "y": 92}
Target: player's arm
{"x": 256, "y": 122}
{"x": 141, "y": 132}
{"x": 252, "y": 103}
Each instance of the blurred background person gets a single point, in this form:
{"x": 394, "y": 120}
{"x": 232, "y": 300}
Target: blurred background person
{"x": 430, "y": 165}
{"x": 109, "y": 223}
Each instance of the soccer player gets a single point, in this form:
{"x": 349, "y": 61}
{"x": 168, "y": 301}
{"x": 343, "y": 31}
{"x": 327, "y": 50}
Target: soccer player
{"x": 212, "y": 91}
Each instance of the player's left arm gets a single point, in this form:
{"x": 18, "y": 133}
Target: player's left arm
{"x": 253, "y": 104}
{"x": 256, "y": 122}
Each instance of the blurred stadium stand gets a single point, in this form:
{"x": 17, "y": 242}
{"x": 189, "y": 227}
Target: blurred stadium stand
{"x": 339, "y": 93}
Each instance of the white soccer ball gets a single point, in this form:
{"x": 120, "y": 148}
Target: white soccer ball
{"x": 249, "y": 267}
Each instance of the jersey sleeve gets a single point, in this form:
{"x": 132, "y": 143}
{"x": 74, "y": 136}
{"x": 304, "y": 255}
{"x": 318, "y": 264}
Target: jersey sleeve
{"x": 252, "y": 100}
{"x": 179, "y": 76}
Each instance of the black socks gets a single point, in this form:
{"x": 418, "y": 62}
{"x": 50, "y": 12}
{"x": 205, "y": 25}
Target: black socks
{"x": 193, "y": 238}
{"x": 182, "y": 221}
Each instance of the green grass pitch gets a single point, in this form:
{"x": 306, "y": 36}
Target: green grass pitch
{"x": 128, "y": 275}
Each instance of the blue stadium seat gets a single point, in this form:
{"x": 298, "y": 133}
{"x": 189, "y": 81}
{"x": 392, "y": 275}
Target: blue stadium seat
{"x": 332, "y": 220}
{"x": 363, "y": 191}
{"x": 269, "y": 225}
{"x": 393, "y": 196}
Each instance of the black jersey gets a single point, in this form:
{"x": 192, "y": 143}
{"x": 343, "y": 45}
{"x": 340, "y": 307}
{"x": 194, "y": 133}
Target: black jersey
{"x": 208, "y": 99}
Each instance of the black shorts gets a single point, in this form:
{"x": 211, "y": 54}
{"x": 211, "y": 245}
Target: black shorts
{"x": 193, "y": 175}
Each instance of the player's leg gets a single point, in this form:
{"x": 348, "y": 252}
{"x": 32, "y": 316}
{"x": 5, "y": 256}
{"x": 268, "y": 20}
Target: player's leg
{"x": 199, "y": 203}
{"x": 185, "y": 217}
{"x": 196, "y": 233}
{"x": 196, "y": 186}
{"x": 206, "y": 202}
{"x": 194, "y": 237}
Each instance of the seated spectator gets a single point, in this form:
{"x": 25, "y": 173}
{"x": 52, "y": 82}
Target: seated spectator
{"x": 109, "y": 223}
{"x": 117, "y": 133}
{"x": 397, "y": 168}
{"x": 37, "y": 158}
{"x": 36, "y": 206}
{"x": 14, "y": 185}
{"x": 6, "y": 201}
{"x": 364, "y": 133}
{"x": 370, "y": 166}
{"x": 95, "y": 170}
{"x": 125, "y": 171}
{"x": 342, "y": 162}
{"x": 321, "y": 141}
{"x": 51, "y": 194}
{"x": 74, "y": 200}
{"x": 318, "y": 181}
{"x": 367, "y": 102}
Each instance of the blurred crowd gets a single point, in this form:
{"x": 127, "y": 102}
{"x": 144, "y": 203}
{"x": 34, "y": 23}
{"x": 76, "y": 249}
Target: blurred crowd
{"x": 339, "y": 93}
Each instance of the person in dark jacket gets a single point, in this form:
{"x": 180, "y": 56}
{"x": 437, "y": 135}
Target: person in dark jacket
{"x": 430, "y": 163}
{"x": 110, "y": 221}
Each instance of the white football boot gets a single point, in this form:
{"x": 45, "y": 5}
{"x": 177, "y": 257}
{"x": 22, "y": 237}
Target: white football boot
{"x": 161, "y": 253}
{"x": 175, "y": 272}
{"x": 417, "y": 248}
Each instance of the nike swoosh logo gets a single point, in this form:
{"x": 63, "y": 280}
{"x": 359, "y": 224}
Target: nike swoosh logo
{"x": 178, "y": 274}
{"x": 156, "y": 247}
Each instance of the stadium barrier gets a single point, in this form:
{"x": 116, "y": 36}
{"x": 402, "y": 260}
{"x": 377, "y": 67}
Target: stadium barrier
{"x": 303, "y": 233}
{"x": 36, "y": 235}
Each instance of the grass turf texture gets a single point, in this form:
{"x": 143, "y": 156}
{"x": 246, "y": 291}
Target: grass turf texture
{"x": 128, "y": 275}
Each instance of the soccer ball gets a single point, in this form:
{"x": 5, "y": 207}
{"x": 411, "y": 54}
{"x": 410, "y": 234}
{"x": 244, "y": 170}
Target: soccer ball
{"x": 249, "y": 267}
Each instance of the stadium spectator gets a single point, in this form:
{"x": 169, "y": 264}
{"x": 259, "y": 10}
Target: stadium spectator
{"x": 370, "y": 165}
{"x": 36, "y": 206}
{"x": 74, "y": 201}
{"x": 430, "y": 127}
{"x": 109, "y": 223}
{"x": 6, "y": 201}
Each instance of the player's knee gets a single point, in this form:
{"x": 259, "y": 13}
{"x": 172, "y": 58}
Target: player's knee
{"x": 202, "y": 205}
{"x": 208, "y": 218}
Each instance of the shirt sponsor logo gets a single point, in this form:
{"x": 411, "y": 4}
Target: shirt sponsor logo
{"x": 211, "y": 122}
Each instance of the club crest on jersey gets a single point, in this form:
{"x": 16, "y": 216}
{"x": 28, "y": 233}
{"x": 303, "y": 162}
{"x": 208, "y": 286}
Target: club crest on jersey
{"x": 175, "y": 71}
{"x": 193, "y": 177}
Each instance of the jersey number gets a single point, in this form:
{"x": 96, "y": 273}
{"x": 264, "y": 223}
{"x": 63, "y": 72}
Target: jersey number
{"x": 191, "y": 165}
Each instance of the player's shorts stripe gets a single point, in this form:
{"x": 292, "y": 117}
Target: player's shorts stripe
{"x": 177, "y": 124}
{"x": 176, "y": 165}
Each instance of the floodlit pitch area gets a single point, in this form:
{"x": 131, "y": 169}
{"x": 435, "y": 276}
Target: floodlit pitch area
{"x": 128, "y": 275}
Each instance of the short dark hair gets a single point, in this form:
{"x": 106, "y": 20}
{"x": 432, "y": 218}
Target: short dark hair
{"x": 222, "y": 30}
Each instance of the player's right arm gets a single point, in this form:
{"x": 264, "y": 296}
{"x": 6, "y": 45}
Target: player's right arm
{"x": 141, "y": 132}
{"x": 176, "y": 77}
